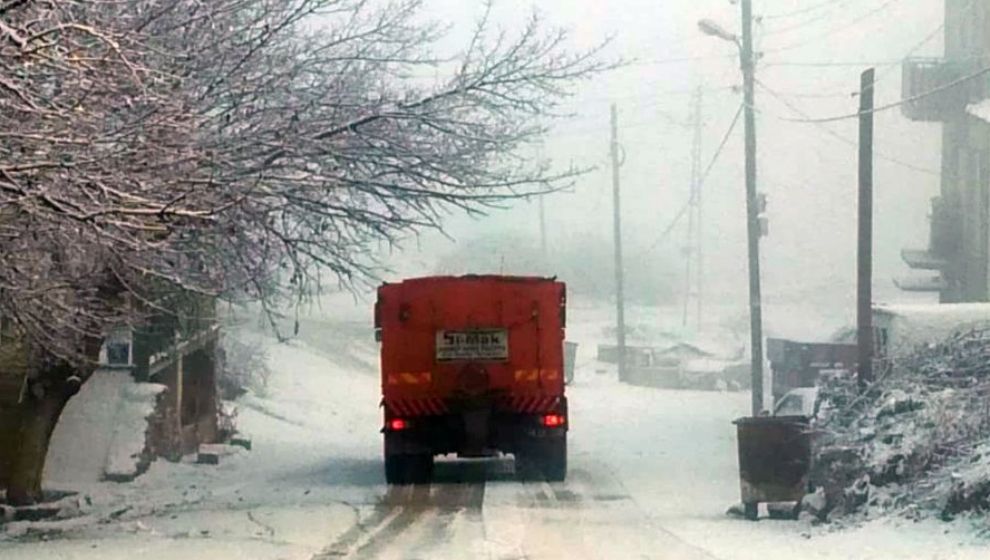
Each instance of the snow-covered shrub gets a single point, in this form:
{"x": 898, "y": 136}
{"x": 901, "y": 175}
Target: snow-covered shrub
{"x": 919, "y": 438}
{"x": 242, "y": 367}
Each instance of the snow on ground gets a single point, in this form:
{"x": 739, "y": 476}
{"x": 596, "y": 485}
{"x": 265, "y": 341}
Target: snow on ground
{"x": 128, "y": 443}
{"x": 315, "y": 471}
{"x": 980, "y": 110}
{"x": 84, "y": 437}
{"x": 315, "y": 454}
{"x": 675, "y": 452}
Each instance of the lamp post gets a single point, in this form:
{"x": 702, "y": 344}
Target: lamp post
{"x": 753, "y": 226}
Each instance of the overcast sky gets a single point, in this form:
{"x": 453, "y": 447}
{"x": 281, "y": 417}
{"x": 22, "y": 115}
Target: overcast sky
{"x": 811, "y": 60}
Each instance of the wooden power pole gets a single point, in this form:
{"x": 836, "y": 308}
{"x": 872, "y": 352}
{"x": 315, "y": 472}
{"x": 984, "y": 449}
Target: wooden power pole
{"x": 620, "y": 307}
{"x": 693, "y": 273}
{"x": 754, "y": 230}
{"x": 544, "y": 249}
{"x": 865, "y": 257}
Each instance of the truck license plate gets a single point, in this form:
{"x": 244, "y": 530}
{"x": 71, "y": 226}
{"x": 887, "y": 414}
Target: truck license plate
{"x": 484, "y": 345}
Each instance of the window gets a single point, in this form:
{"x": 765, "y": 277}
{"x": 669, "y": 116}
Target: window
{"x": 119, "y": 354}
{"x": 117, "y": 349}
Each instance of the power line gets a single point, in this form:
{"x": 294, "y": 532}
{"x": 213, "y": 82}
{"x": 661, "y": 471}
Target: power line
{"x": 802, "y": 11}
{"x": 896, "y": 104}
{"x": 843, "y": 139}
{"x": 926, "y": 39}
{"x": 890, "y": 65}
{"x": 802, "y": 24}
{"x": 681, "y": 60}
{"x": 818, "y": 95}
{"x": 650, "y": 98}
{"x": 721, "y": 146}
{"x": 829, "y": 64}
{"x": 851, "y": 24}
{"x": 704, "y": 177}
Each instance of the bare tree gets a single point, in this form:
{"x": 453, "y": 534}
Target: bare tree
{"x": 240, "y": 149}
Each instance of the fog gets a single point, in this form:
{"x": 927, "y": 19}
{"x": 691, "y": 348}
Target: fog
{"x": 811, "y": 58}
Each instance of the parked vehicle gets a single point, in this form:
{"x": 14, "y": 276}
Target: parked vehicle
{"x": 473, "y": 366}
{"x": 799, "y": 402}
{"x": 801, "y": 364}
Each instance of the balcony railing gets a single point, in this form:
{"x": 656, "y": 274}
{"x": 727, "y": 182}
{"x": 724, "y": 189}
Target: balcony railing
{"x": 934, "y": 88}
{"x": 923, "y": 260}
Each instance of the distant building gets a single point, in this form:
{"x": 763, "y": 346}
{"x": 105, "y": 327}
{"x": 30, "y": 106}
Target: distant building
{"x": 955, "y": 90}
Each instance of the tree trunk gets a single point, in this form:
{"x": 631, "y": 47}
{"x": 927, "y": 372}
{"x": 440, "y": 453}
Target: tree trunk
{"x": 42, "y": 409}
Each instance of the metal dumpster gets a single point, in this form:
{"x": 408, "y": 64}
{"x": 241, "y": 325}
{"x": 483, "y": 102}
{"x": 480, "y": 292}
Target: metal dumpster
{"x": 774, "y": 460}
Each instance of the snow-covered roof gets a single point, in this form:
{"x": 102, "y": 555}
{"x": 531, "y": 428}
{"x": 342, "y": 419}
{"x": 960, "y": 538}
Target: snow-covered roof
{"x": 980, "y": 110}
{"x": 914, "y": 324}
{"x": 707, "y": 365}
{"x": 955, "y": 313}
{"x": 683, "y": 347}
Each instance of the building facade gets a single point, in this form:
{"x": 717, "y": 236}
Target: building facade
{"x": 955, "y": 91}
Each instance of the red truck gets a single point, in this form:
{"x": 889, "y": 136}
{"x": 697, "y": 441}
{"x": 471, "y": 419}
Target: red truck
{"x": 473, "y": 366}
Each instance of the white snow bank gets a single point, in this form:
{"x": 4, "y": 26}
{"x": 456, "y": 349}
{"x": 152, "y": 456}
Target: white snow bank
{"x": 316, "y": 451}
{"x": 980, "y": 110}
{"x": 909, "y": 326}
{"x": 82, "y": 439}
{"x": 102, "y": 430}
{"x": 129, "y": 436}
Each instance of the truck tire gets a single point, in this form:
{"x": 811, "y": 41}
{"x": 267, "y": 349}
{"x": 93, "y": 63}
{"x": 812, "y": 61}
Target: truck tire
{"x": 408, "y": 469}
{"x": 545, "y": 460}
{"x": 554, "y": 460}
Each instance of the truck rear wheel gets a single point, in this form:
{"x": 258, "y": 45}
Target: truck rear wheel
{"x": 408, "y": 469}
{"x": 554, "y": 460}
{"x": 545, "y": 460}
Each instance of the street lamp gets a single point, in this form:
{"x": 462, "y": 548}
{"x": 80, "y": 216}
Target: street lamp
{"x": 753, "y": 229}
{"x": 713, "y": 29}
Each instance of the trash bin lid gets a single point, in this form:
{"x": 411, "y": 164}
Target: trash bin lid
{"x": 771, "y": 420}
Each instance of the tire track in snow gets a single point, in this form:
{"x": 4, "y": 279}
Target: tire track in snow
{"x": 476, "y": 514}
{"x": 410, "y": 522}
{"x": 383, "y": 515}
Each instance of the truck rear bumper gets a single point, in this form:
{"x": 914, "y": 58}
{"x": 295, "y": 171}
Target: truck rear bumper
{"x": 473, "y": 433}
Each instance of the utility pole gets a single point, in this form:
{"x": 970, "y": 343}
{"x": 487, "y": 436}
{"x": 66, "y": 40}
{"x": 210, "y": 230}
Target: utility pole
{"x": 543, "y": 228}
{"x": 753, "y": 228}
{"x": 542, "y": 208}
{"x": 865, "y": 258}
{"x": 620, "y": 308}
{"x": 692, "y": 249}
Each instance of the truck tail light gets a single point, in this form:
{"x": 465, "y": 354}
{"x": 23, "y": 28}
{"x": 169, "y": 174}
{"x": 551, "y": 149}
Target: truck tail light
{"x": 554, "y": 420}
{"x": 398, "y": 424}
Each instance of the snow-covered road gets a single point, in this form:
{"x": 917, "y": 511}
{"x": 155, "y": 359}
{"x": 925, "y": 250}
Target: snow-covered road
{"x": 652, "y": 473}
{"x": 478, "y": 510}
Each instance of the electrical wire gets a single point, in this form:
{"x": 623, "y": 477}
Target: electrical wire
{"x": 802, "y": 11}
{"x": 832, "y": 64}
{"x": 889, "y": 66}
{"x": 843, "y": 139}
{"x": 894, "y": 105}
{"x": 834, "y": 31}
{"x": 802, "y": 24}
{"x": 651, "y": 98}
{"x": 684, "y": 210}
{"x": 721, "y": 146}
{"x": 681, "y": 60}
{"x": 888, "y": 69}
